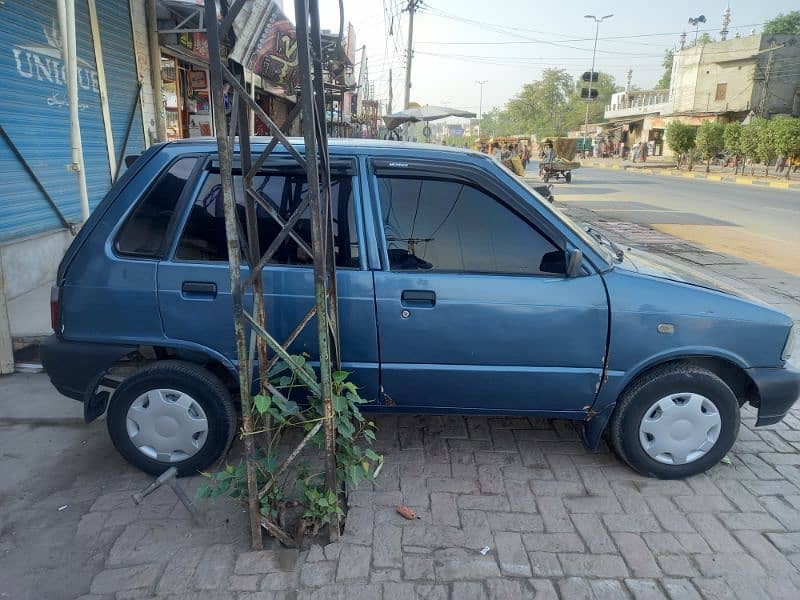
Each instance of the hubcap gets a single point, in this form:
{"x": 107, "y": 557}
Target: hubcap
{"x": 680, "y": 428}
{"x": 167, "y": 425}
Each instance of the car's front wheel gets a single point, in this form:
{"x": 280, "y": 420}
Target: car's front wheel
{"x": 171, "y": 414}
{"x": 676, "y": 421}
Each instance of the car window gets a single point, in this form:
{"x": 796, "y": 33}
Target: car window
{"x": 203, "y": 237}
{"x": 451, "y": 226}
{"x": 143, "y": 233}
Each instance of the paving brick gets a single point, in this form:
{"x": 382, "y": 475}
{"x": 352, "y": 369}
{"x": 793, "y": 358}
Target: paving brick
{"x": 593, "y": 532}
{"x": 756, "y": 521}
{"x": 545, "y": 564}
{"x": 456, "y": 486}
{"x": 432, "y": 536}
{"x": 595, "y": 482}
{"x": 476, "y": 532}
{"x": 478, "y": 502}
{"x": 788, "y": 515}
{"x": 178, "y": 574}
{"x": 645, "y": 589}
{"x": 511, "y": 555}
{"x": 385, "y": 575}
{"x": 520, "y": 497}
{"x": 741, "y": 498}
{"x": 359, "y": 525}
{"x": 592, "y": 505}
{"x": 554, "y": 515}
{"x": 454, "y": 564}
{"x": 714, "y": 533}
{"x": 608, "y": 589}
{"x": 668, "y": 515}
{"x": 703, "y": 504}
{"x": 663, "y": 543}
{"x": 631, "y": 523}
{"x": 244, "y": 583}
{"x": 265, "y": 561}
{"x": 677, "y": 565}
{"x": 399, "y": 591}
{"x": 490, "y": 480}
{"x": 519, "y": 522}
{"x": 720, "y": 565}
{"x": 280, "y": 580}
{"x": 762, "y": 550}
{"x": 714, "y": 588}
{"x": 636, "y": 554}
{"x": 214, "y": 568}
{"x": 417, "y": 568}
{"x": 531, "y": 453}
{"x": 468, "y": 590}
{"x": 506, "y": 589}
{"x": 680, "y": 589}
{"x": 575, "y": 588}
{"x": 693, "y": 543}
{"x": 628, "y": 495}
{"x": 770, "y": 488}
{"x": 387, "y": 547}
{"x": 593, "y": 565}
{"x": 354, "y": 562}
{"x": 544, "y": 487}
{"x": 543, "y": 589}
{"x": 318, "y": 574}
{"x": 552, "y": 542}
{"x": 124, "y": 578}
{"x": 562, "y": 467}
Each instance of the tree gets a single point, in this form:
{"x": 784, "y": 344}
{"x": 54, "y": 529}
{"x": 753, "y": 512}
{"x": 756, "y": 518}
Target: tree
{"x": 749, "y": 143}
{"x": 576, "y": 113}
{"x": 666, "y": 78}
{"x": 786, "y": 133}
{"x": 788, "y": 24}
{"x": 733, "y": 143}
{"x": 680, "y": 139}
{"x": 710, "y": 140}
{"x": 766, "y": 147}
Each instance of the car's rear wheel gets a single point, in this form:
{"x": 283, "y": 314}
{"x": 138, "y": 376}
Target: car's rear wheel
{"x": 676, "y": 421}
{"x": 171, "y": 414}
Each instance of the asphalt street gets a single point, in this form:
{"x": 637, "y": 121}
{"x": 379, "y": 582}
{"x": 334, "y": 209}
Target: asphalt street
{"x": 750, "y": 222}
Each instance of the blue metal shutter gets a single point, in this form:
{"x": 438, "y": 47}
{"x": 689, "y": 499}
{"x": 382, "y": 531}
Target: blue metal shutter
{"x": 35, "y": 115}
{"x": 119, "y": 60}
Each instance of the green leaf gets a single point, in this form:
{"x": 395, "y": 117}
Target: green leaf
{"x": 339, "y": 376}
{"x": 370, "y": 453}
{"x": 726, "y": 460}
{"x": 262, "y": 403}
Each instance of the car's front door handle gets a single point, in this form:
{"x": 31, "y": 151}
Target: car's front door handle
{"x": 418, "y": 298}
{"x": 199, "y": 289}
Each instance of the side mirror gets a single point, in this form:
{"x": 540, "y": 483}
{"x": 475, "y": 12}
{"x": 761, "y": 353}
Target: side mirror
{"x": 574, "y": 263}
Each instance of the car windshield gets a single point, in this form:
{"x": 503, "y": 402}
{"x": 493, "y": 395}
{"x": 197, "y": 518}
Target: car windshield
{"x": 607, "y": 254}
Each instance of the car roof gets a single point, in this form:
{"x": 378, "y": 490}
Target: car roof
{"x": 358, "y": 144}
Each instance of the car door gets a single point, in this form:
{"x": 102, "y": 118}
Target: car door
{"x": 194, "y": 285}
{"x": 475, "y": 311}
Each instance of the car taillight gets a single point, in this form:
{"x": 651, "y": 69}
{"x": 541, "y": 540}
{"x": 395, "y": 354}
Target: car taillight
{"x": 54, "y": 294}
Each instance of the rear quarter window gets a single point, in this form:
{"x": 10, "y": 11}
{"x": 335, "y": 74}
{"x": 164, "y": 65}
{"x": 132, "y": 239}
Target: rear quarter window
{"x": 143, "y": 234}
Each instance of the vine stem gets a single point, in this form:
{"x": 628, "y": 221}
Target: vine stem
{"x": 288, "y": 460}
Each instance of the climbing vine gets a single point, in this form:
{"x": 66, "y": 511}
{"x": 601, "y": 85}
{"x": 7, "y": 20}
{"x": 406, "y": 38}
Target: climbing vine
{"x": 289, "y": 411}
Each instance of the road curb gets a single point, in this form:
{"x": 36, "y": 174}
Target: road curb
{"x": 715, "y": 177}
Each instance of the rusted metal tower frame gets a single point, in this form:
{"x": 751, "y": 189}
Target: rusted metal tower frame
{"x": 314, "y": 160}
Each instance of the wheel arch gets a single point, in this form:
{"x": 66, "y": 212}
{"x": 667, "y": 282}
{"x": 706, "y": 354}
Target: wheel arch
{"x": 728, "y": 368}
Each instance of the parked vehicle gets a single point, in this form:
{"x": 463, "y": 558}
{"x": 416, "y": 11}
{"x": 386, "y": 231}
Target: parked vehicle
{"x": 461, "y": 292}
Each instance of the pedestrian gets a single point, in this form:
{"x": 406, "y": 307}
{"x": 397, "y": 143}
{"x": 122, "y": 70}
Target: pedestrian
{"x": 643, "y": 152}
{"x": 526, "y": 156}
{"x": 781, "y": 164}
{"x": 497, "y": 153}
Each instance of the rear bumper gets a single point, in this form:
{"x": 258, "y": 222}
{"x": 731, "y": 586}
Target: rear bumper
{"x": 74, "y": 367}
{"x": 778, "y": 390}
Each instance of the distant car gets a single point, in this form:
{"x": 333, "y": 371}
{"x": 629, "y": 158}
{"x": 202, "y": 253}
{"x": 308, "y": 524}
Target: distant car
{"x": 461, "y": 292}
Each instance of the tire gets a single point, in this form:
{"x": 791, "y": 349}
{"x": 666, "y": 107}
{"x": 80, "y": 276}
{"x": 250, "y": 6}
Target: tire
{"x": 568, "y": 177}
{"x": 169, "y": 382}
{"x": 673, "y": 384}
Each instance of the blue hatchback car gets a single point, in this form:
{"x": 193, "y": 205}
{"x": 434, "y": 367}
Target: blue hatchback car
{"x": 461, "y": 292}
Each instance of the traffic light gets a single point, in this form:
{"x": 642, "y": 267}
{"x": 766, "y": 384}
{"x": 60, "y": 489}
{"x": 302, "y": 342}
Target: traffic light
{"x": 588, "y": 95}
{"x": 589, "y": 76}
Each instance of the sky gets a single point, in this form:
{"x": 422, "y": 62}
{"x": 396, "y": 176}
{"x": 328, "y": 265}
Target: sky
{"x": 508, "y": 43}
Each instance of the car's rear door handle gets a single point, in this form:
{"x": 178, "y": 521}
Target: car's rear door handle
{"x": 418, "y": 298}
{"x": 199, "y": 289}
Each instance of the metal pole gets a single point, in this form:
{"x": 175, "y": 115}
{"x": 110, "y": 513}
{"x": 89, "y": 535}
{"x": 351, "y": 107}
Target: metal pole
{"x": 234, "y": 262}
{"x": 389, "y": 108}
{"x": 480, "y": 105}
{"x": 412, "y": 6}
{"x": 591, "y": 76}
{"x": 101, "y": 82}
{"x": 66, "y": 17}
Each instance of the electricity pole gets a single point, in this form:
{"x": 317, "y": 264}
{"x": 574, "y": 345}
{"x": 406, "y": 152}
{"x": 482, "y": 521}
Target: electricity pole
{"x": 480, "y": 104}
{"x": 762, "y": 103}
{"x": 412, "y": 7}
{"x": 591, "y": 73}
{"x": 389, "y": 110}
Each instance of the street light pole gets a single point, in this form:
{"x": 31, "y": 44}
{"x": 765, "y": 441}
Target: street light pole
{"x": 480, "y": 105}
{"x": 591, "y": 73}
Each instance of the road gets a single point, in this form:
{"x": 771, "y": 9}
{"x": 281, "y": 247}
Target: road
{"x": 757, "y": 224}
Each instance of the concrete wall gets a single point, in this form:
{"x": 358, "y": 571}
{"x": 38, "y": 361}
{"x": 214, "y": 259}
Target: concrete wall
{"x": 141, "y": 49}
{"x": 784, "y": 82}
